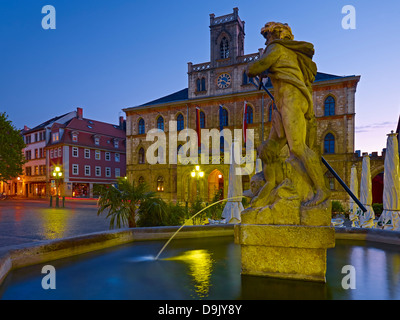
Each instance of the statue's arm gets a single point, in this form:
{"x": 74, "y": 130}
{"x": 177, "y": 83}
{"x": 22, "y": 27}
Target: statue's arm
{"x": 268, "y": 59}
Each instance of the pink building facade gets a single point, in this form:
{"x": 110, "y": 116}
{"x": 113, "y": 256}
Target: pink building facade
{"x": 88, "y": 153}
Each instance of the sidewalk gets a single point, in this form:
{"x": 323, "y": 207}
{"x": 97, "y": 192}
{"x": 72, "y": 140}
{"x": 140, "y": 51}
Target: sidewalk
{"x": 30, "y": 220}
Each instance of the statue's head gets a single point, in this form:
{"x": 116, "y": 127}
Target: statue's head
{"x": 276, "y": 30}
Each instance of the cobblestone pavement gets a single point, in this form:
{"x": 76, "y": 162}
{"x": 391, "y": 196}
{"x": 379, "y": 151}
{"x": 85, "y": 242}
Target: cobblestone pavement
{"x": 26, "y": 221}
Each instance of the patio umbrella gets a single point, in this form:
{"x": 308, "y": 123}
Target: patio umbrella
{"x": 366, "y": 218}
{"x": 258, "y": 165}
{"x": 354, "y": 209}
{"x": 391, "y": 185}
{"x": 233, "y": 208}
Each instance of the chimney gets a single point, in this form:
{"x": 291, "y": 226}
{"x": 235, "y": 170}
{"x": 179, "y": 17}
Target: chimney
{"x": 79, "y": 113}
{"x": 122, "y": 123}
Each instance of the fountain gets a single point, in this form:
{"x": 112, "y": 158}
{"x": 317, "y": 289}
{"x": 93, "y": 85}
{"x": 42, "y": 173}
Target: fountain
{"x": 285, "y": 235}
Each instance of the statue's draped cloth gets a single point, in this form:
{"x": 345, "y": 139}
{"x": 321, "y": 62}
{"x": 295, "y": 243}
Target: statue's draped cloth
{"x": 291, "y": 61}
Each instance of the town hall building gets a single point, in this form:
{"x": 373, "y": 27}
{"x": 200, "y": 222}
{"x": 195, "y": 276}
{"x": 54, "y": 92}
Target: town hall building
{"x": 222, "y": 82}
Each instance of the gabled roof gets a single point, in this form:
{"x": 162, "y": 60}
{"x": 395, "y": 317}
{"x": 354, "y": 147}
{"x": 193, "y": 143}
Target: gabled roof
{"x": 176, "y": 96}
{"x": 95, "y": 127}
{"x": 45, "y": 124}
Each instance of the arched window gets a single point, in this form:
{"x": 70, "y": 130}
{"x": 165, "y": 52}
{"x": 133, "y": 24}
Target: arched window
{"x": 329, "y": 143}
{"x": 141, "y": 126}
{"x": 180, "y": 122}
{"x": 249, "y": 114}
{"x": 141, "y": 180}
{"x": 160, "y": 184}
{"x": 270, "y": 109}
{"x": 160, "y": 123}
{"x": 224, "y": 48}
{"x": 223, "y": 121}
{"x": 329, "y": 180}
{"x": 203, "y": 84}
{"x": 202, "y": 120}
{"x": 245, "y": 78}
{"x": 329, "y": 106}
{"x": 141, "y": 156}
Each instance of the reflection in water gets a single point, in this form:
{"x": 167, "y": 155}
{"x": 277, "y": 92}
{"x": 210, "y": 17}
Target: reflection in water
{"x": 54, "y": 223}
{"x": 200, "y": 265}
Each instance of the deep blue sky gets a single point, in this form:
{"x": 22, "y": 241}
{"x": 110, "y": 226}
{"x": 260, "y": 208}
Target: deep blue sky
{"x": 106, "y": 55}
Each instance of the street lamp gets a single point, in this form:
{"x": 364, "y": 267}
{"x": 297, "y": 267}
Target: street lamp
{"x": 57, "y": 174}
{"x": 196, "y": 173}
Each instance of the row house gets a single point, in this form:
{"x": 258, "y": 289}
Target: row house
{"x": 33, "y": 181}
{"x": 88, "y": 153}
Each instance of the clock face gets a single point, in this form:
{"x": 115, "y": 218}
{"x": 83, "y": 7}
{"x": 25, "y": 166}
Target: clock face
{"x": 224, "y": 80}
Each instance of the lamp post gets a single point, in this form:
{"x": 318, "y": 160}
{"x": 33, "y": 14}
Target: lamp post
{"x": 197, "y": 173}
{"x": 57, "y": 174}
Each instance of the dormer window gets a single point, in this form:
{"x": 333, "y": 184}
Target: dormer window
{"x": 97, "y": 141}
{"x": 116, "y": 144}
{"x": 55, "y": 137}
{"x": 74, "y": 137}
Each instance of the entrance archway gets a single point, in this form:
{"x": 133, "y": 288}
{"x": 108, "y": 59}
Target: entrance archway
{"x": 215, "y": 184}
{"x": 377, "y": 188}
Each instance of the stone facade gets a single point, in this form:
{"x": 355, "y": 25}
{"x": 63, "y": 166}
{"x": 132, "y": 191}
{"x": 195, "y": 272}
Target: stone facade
{"x": 225, "y": 84}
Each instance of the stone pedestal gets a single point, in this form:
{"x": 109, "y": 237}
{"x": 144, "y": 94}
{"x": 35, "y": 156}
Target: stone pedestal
{"x": 289, "y": 245}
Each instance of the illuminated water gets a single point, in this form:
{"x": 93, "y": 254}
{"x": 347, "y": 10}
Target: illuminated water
{"x": 206, "y": 268}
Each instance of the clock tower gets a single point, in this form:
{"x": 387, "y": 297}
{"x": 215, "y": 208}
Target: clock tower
{"x": 223, "y": 74}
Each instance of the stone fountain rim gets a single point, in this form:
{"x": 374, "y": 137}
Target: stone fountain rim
{"x": 23, "y": 255}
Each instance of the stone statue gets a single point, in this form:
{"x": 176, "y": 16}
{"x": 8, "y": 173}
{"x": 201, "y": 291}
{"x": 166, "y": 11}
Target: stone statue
{"x": 288, "y": 63}
{"x": 287, "y": 229}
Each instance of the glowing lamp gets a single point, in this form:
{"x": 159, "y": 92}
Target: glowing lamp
{"x": 201, "y": 174}
{"x": 193, "y": 174}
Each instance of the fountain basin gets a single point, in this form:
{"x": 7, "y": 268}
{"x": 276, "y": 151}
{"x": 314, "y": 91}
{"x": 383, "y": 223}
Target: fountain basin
{"x": 193, "y": 267}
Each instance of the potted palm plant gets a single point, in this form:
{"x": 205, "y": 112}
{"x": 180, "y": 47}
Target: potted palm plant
{"x": 121, "y": 202}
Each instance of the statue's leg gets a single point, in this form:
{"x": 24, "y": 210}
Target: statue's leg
{"x": 293, "y": 104}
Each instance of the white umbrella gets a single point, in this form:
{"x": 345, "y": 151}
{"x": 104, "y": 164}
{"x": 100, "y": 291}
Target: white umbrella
{"x": 354, "y": 209}
{"x": 366, "y": 218}
{"x": 233, "y": 208}
{"x": 258, "y": 165}
{"x": 391, "y": 185}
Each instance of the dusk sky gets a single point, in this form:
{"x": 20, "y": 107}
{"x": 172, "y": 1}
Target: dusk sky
{"x": 104, "y": 56}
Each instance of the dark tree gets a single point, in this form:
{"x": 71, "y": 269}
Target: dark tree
{"x": 11, "y": 145}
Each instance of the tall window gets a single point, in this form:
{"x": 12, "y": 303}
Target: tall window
{"x": 180, "y": 123}
{"x": 160, "y": 123}
{"x": 329, "y": 105}
{"x": 249, "y": 114}
{"x": 141, "y": 126}
{"x": 160, "y": 184}
{"x": 141, "y": 180}
{"x": 141, "y": 155}
{"x": 75, "y": 169}
{"x": 203, "y": 84}
{"x": 224, "y": 48}
{"x": 223, "y": 121}
{"x": 245, "y": 79}
{"x": 198, "y": 85}
{"x": 329, "y": 143}
{"x": 202, "y": 120}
